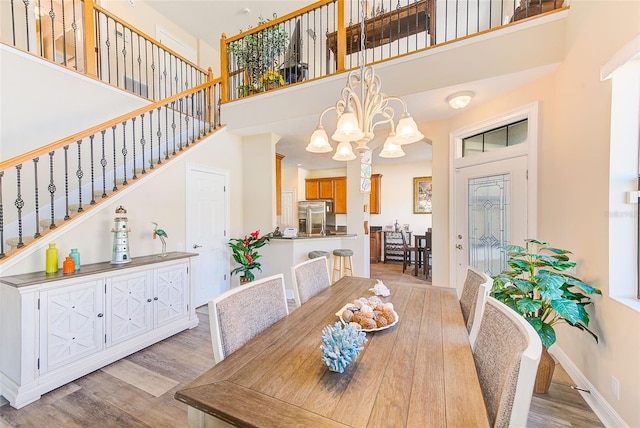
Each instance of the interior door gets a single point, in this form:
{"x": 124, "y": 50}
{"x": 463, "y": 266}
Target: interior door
{"x": 287, "y": 218}
{"x": 207, "y": 211}
{"x": 491, "y": 211}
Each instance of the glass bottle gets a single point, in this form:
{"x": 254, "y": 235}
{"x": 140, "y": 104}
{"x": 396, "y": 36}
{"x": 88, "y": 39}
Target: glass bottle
{"x": 75, "y": 255}
{"x": 51, "y": 259}
{"x": 67, "y": 265}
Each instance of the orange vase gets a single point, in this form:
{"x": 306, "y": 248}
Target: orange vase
{"x": 68, "y": 266}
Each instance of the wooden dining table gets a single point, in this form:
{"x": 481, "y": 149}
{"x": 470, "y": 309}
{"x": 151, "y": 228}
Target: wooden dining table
{"x": 418, "y": 373}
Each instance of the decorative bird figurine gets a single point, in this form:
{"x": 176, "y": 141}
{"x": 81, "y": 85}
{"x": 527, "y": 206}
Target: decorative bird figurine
{"x": 162, "y": 234}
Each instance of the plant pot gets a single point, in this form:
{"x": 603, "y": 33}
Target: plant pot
{"x": 545, "y": 372}
{"x": 244, "y": 280}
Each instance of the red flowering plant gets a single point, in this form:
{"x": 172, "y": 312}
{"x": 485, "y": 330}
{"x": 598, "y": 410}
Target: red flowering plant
{"x": 245, "y": 254}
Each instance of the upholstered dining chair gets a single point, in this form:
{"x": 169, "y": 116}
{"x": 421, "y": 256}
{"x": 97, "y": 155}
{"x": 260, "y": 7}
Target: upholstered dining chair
{"x": 506, "y": 354}
{"x": 309, "y": 278}
{"x": 475, "y": 291}
{"x": 238, "y": 315}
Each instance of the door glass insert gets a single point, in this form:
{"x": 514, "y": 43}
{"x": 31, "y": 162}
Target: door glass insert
{"x": 489, "y": 213}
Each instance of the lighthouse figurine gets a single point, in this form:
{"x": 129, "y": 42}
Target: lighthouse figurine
{"x": 120, "y": 237}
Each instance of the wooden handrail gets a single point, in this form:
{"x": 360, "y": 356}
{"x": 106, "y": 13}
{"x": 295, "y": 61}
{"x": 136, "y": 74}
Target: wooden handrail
{"x": 146, "y": 36}
{"x": 98, "y": 128}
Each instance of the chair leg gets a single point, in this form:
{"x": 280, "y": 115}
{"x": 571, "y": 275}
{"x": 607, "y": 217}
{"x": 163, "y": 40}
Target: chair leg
{"x": 336, "y": 269}
{"x": 350, "y": 267}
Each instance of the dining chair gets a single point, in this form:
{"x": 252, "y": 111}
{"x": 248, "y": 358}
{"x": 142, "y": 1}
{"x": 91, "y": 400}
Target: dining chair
{"x": 506, "y": 355}
{"x": 309, "y": 278}
{"x": 475, "y": 291}
{"x": 406, "y": 251}
{"x": 238, "y": 315}
{"x": 426, "y": 254}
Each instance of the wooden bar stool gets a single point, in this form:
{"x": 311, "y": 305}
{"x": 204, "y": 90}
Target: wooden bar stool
{"x": 342, "y": 262}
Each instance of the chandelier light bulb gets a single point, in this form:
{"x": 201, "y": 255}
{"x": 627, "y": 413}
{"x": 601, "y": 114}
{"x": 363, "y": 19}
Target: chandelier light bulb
{"x": 348, "y": 128}
{"x": 407, "y": 131}
{"x": 460, "y": 99}
{"x": 319, "y": 142}
{"x": 344, "y": 152}
{"x": 391, "y": 149}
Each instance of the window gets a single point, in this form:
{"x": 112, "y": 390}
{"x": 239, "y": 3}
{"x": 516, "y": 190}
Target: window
{"x": 504, "y": 136}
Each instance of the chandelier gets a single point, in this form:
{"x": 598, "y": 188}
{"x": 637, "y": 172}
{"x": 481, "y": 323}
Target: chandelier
{"x": 361, "y": 108}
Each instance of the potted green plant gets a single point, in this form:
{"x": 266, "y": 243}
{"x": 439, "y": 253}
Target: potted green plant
{"x": 245, "y": 254}
{"x": 539, "y": 288}
{"x": 258, "y": 52}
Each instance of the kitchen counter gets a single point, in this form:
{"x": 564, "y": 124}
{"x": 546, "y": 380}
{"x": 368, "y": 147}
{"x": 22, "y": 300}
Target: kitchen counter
{"x": 343, "y": 235}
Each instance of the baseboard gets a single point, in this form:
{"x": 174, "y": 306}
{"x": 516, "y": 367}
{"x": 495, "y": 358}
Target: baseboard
{"x": 595, "y": 400}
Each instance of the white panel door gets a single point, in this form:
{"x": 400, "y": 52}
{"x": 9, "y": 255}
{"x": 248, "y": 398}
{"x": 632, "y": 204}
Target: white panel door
{"x": 289, "y": 209}
{"x": 71, "y": 324}
{"x": 171, "y": 294}
{"x": 207, "y": 211}
{"x": 130, "y": 306}
{"x": 491, "y": 211}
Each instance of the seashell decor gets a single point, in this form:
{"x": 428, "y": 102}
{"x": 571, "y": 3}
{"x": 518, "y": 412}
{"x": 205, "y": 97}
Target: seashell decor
{"x": 341, "y": 345}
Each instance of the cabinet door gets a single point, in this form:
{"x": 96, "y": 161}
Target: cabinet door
{"x": 171, "y": 293}
{"x": 129, "y": 306}
{"x": 374, "y": 198}
{"x": 71, "y": 323}
{"x": 326, "y": 188}
{"x": 312, "y": 189}
{"x": 340, "y": 195}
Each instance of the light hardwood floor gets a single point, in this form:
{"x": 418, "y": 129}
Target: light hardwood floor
{"x": 138, "y": 390}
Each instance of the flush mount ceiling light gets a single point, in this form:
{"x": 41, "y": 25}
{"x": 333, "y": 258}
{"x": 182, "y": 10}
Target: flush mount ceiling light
{"x": 460, "y": 99}
{"x": 361, "y": 108}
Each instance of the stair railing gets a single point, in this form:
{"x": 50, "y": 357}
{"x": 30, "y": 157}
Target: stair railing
{"x": 87, "y": 38}
{"x": 42, "y": 189}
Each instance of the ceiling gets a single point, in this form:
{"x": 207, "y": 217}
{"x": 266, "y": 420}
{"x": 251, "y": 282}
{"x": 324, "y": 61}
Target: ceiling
{"x": 487, "y": 65}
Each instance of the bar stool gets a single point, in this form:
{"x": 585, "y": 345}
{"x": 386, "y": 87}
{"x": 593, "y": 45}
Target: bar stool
{"x": 318, "y": 253}
{"x": 342, "y": 262}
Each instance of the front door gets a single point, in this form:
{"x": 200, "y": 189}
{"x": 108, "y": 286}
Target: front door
{"x": 491, "y": 202}
{"x": 207, "y": 214}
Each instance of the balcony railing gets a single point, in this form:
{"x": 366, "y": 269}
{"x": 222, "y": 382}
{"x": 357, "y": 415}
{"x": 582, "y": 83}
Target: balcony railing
{"x": 87, "y": 38}
{"x": 326, "y": 37}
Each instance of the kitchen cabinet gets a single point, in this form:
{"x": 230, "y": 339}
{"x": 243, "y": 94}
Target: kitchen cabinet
{"x": 65, "y": 326}
{"x": 328, "y": 188}
{"x": 279, "y": 158}
{"x": 375, "y": 246}
{"x": 374, "y": 198}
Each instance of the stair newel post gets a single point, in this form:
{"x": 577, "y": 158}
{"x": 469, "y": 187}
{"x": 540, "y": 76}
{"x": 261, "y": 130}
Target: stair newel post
{"x": 93, "y": 177}
{"x": 341, "y": 47}
{"x": 19, "y": 204}
{"x": 79, "y": 175}
{"x": 36, "y": 194}
{"x": 1, "y": 218}
{"x": 90, "y": 48}
{"x": 52, "y": 191}
{"x": 66, "y": 182}
{"x": 224, "y": 70}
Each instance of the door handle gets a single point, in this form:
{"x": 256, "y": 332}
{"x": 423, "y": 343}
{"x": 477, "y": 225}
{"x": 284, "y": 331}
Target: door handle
{"x": 459, "y": 246}
{"x": 196, "y": 246}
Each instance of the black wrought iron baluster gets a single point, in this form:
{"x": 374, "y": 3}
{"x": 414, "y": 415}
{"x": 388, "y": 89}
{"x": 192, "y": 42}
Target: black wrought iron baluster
{"x": 74, "y": 26}
{"x": 39, "y": 9}
{"x": 193, "y": 122}
{"x": 133, "y": 78}
{"x": 115, "y": 28}
{"x": 166, "y": 133}
{"x": 93, "y": 176}
{"x": 124, "y": 154}
{"x": 133, "y": 127}
{"x": 26, "y": 21}
{"x": 159, "y": 134}
{"x": 52, "y": 190}
{"x": 52, "y": 15}
{"x": 124, "y": 61}
{"x": 186, "y": 120}
{"x": 66, "y": 183}
{"x": 153, "y": 74}
{"x": 164, "y": 73}
{"x": 36, "y": 197}
{"x": 171, "y": 75}
{"x": 146, "y": 68}
{"x": 142, "y": 144}
{"x": 1, "y": 218}
{"x": 173, "y": 126}
{"x": 103, "y": 163}
{"x": 108, "y": 44}
{"x": 19, "y": 204}
{"x": 115, "y": 162}
{"x": 79, "y": 175}
{"x": 198, "y": 112}
{"x": 144, "y": 171}
{"x": 64, "y": 36}
{"x": 13, "y": 22}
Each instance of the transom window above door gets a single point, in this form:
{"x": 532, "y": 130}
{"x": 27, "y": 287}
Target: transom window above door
{"x": 497, "y": 138}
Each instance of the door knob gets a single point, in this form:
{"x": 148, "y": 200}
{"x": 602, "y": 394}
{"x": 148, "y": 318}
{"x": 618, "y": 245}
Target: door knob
{"x": 196, "y": 246}
{"x": 459, "y": 246}
{"x": 459, "y": 236}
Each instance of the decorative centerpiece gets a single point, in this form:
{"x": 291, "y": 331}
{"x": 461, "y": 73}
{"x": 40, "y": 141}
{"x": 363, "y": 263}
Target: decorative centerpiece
{"x": 244, "y": 253}
{"x": 341, "y": 345}
{"x": 162, "y": 235}
{"x": 120, "y": 237}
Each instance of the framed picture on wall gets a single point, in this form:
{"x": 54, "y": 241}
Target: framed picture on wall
{"x": 422, "y": 195}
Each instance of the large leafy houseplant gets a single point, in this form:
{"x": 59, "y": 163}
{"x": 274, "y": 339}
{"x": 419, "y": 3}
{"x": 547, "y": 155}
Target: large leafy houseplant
{"x": 246, "y": 255}
{"x": 258, "y": 52}
{"x": 538, "y": 288}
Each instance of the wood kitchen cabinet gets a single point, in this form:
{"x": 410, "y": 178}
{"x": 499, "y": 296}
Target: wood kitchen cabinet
{"x": 375, "y": 248}
{"x": 328, "y": 188}
{"x": 279, "y": 158}
{"x": 374, "y": 198}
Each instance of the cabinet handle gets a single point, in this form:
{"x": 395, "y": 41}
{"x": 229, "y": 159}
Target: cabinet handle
{"x": 100, "y": 315}
{"x": 155, "y": 298}
{"x": 149, "y": 300}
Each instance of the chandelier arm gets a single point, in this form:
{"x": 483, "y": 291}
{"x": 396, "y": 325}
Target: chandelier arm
{"x": 328, "y": 109}
{"x": 401, "y": 101}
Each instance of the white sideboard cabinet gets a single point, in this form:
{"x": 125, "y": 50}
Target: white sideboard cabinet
{"x": 56, "y": 328}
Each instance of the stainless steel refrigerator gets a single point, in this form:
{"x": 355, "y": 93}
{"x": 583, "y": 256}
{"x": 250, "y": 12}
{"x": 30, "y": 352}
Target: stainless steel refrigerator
{"x": 316, "y": 218}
